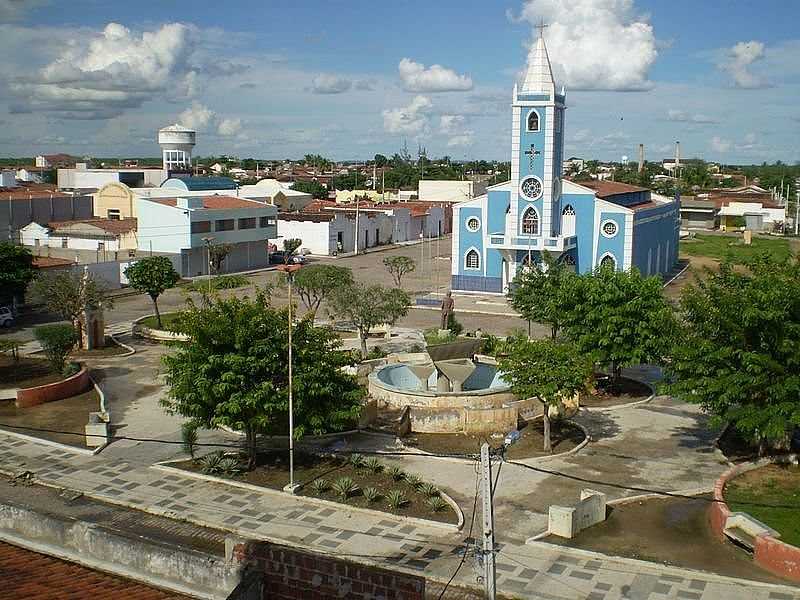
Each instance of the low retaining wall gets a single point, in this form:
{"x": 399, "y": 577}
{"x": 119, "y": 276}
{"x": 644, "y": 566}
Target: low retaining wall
{"x": 769, "y": 553}
{"x": 156, "y": 335}
{"x": 71, "y": 386}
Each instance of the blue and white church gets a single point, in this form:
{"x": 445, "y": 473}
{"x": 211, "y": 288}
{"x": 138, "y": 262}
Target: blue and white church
{"x": 584, "y": 225}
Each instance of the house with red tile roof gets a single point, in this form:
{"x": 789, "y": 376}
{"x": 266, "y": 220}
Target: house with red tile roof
{"x": 103, "y": 235}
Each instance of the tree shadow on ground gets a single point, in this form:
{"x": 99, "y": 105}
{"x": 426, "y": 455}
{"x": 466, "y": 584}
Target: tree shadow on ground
{"x": 601, "y": 425}
{"x": 699, "y": 437}
{"x": 100, "y": 374}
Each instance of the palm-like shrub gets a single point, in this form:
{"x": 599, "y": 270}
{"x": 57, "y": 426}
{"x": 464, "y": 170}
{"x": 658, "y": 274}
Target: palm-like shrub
{"x": 320, "y": 486}
{"x": 415, "y": 481}
{"x": 429, "y": 490}
{"x": 372, "y": 494}
{"x": 397, "y": 473}
{"x": 436, "y": 504}
{"x": 229, "y": 465}
{"x": 356, "y": 461}
{"x": 396, "y": 499}
{"x": 211, "y": 463}
{"x": 189, "y": 437}
{"x": 373, "y": 464}
{"x": 344, "y": 487}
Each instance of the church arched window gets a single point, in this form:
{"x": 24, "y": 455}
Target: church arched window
{"x": 568, "y": 221}
{"x": 530, "y": 221}
{"x": 472, "y": 260}
{"x": 533, "y": 121}
{"x": 608, "y": 261}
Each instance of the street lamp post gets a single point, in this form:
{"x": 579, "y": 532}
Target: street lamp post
{"x": 208, "y": 241}
{"x": 290, "y": 270}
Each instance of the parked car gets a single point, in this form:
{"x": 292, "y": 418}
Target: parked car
{"x": 279, "y": 258}
{"x": 6, "y": 317}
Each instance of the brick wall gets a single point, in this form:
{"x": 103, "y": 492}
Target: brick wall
{"x": 72, "y": 386}
{"x": 290, "y": 574}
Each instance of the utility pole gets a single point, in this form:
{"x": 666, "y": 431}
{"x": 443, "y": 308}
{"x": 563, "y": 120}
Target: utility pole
{"x": 489, "y": 572}
{"x": 796, "y": 212}
{"x": 290, "y": 270}
{"x": 356, "y": 234}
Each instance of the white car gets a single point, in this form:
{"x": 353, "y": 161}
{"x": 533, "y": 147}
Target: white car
{"x": 6, "y": 317}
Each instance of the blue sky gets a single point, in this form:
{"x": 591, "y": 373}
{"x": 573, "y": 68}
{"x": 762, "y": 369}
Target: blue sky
{"x": 348, "y": 79}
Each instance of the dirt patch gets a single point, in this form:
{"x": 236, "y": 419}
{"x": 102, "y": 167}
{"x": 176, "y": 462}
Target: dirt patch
{"x": 69, "y": 415}
{"x": 770, "y": 494}
{"x": 564, "y": 436}
{"x": 272, "y": 472}
{"x": 111, "y": 348}
{"x": 667, "y": 531}
{"x": 625, "y": 391}
{"x": 737, "y": 448}
{"x": 26, "y": 372}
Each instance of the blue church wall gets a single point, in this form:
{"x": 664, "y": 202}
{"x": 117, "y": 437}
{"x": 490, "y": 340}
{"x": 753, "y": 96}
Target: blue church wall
{"x": 497, "y": 206}
{"x": 656, "y": 237}
{"x": 614, "y": 245}
{"x": 470, "y": 283}
{"x": 470, "y": 239}
{"x": 526, "y": 138}
{"x": 494, "y": 262}
{"x": 584, "y": 228}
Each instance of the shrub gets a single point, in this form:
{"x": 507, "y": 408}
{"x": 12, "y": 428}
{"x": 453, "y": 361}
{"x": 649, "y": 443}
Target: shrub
{"x": 372, "y": 494}
{"x": 57, "y": 341}
{"x": 396, "y": 499}
{"x": 229, "y": 465}
{"x": 436, "y": 504}
{"x": 376, "y": 352}
{"x": 373, "y": 464}
{"x": 320, "y": 486}
{"x": 221, "y": 282}
{"x": 415, "y": 481}
{"x": 429, "y": 490}
{"x": 70, "y": 369}
{"x": 189, "y": 437}
{"x": 453, "y": 325}
{"x": 345, "y": 487}
{"x": 211, "y": 463}
{"x": 397, "y": 473}
{"x": 11, "y": 346}
{"x": 356, "y": 460}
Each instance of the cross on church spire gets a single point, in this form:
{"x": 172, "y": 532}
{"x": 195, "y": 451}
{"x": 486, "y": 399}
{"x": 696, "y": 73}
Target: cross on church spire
{"x": 541, "y": 26}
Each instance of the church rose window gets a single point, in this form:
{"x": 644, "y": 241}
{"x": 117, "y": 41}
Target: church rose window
{"x": 530, "y": 222}
{"x": 531, "y": 188}
{"x": 609, "y": 229}
{"x": 473, "y": 224}
{"x": 473, "y": 260}
{"x": 533, "y": 121}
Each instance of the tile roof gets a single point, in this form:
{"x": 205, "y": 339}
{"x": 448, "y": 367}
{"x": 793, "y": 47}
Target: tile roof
{"x": 32, "y": 192}
{"x": 115, "y": 226}
{"x": 49, "y": 262}
{"x": 216, "y": 202}
{"x": 31, "y": 576}
{"x": 605, "y": 189}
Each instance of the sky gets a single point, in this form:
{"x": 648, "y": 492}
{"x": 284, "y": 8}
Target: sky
{"x": 348, "y": 79}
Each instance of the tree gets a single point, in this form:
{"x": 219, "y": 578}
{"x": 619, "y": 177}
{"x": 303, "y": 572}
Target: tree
{"x": 315, "y": 283}
{"x": 152, "y": 275}
{"x": 380, "y": 160}
{"x": 315, "y": 188}
{"x": 69, "y": 294}
{"x": 398, "y": 267}
{"x": 16, "y": 269}
{"x": 548, "y": 370}
{"x": 369, "y": 305}
{"x": 620, "y": 317}
{"x": 233, "y": 372}
{"x": 738, "y": 351}
{"x": 57, "y": 342}
{"x": 541, "y": 293}
{"x": 217, "y": 253}
{"x": 290, "y": 248}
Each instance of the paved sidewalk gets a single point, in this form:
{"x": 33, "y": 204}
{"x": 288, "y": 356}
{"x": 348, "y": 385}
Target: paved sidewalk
{"x": 528, "y": 571}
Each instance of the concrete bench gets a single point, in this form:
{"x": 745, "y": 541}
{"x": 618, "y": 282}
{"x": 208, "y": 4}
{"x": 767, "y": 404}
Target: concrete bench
{"x": 744, "y": 529}
{"x": 568, "y": 521}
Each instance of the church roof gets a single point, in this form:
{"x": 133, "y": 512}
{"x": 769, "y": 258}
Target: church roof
{"x": 539, "y": 77}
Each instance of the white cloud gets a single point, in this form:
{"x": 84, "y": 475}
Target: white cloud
{"x": 229, "y": 127}
{"x": 450, "y": 123}
{"x": 596, "y": 44}
{"x": 415, "y": 77}
{"x": 454, "y": 126}
{"x": 681, "y": 116}
{"x": 198, "y": 117}
{"x": 462, "y": 139}
{"x": 330, "y": 84}
{"x": 720, "y": 145}
{"x": 738, "y": 61}
{"x": 411, "y": 119}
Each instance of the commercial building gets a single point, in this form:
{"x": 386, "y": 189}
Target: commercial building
{"x": 88, "y": 180}
{"x": 25, "y": 204}
{"x": 431, "y": 190}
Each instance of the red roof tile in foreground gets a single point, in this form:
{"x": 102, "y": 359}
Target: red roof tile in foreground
{"x": 49, "y": 262}
{"x": 28, "y": 575}
{"x": 113, "y": 226}
{"x": 216, "y": 202}
{"x": 604, "y": 189}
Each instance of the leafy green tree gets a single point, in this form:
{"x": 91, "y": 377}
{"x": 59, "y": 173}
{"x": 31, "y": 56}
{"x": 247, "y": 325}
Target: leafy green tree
{"x": 217, "y": 253}
{"x": 233, "y": 372}
{"x": 398, "y": 267}
{"x": 152, "y": 275}
{"x": 69, "y": 294}
{"x": 380, "y": 160}
{"x": 738, "y": 351}
{"x": 317, "y": 282}
{"x": 290, "y": 248}
{"x": 548, "y": 370}
{"x": 57, "y": 342}
{"x": 369, "y": 305}
{"x": 620, "y": 317}
{"x": 541, "y": 293}
{"x": 315, "y": 188}
{"x": 16, "y": 269}
{"x": 11, "y": 346}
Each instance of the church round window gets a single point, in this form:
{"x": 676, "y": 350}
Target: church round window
{"x": 531, "y": 187}
{"x": 609, "y": 228}
{"x": 473, "y": 224}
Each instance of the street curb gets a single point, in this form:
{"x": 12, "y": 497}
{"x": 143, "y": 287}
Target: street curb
{"x": 592, "y": 409}
{"x": 130, "y": 349}
{"x": 468, "y": 311}
{"x": 164, "y": 466}
{"x": 63, "y": 447}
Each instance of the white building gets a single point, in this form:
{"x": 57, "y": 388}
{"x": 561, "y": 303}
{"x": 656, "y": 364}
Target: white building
{"x": 81, "y": 178}
{"x": 102, "y": 235}
{"x": 432, "y": 190}
{"x": 277, "y": 193}
{"x": 8, "y": 179}
{"x": 177, "y": 143}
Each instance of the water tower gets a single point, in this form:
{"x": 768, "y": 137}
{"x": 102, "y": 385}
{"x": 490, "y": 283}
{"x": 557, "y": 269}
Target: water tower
{"x": 176, "y": 143}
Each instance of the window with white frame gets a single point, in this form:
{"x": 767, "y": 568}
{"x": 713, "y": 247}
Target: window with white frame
{"x": 568, "y": 221}
{"x": 608, "y": 261}
{"x": 609, "y": 228}
{"x": 530, "y": 221}
{"x": 472, "y": 260}
{"x": 533, "y": 121}
{"x": 473, "y": 224}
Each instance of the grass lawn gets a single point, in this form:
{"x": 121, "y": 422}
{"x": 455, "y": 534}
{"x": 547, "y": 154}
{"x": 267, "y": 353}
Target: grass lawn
{"x": 777, "y": 485}
{"x": 722, "y": 246}
{"x": 167, "y": 319}
{"x": 26, "y": 372}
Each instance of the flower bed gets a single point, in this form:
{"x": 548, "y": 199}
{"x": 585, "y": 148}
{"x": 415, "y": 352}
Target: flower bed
{"x": 71, "y": 386}
{"x": 146, "y": 327}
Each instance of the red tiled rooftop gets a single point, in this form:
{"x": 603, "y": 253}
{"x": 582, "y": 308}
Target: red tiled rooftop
{"x": 604, "y": 188}
{"x": 115, "y": 226}
{"x": 215, "y": 202}
{"x": 28, "y": 575}
{"x": 49, "y": 262}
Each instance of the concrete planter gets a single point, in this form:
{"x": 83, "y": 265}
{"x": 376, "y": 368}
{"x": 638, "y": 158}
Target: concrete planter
{"x": 156, "y": 335}
{"x": 71, "y": 386}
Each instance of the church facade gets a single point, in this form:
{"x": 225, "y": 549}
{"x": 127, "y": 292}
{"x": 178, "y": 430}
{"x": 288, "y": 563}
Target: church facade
{"x": 585, "y": 224}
